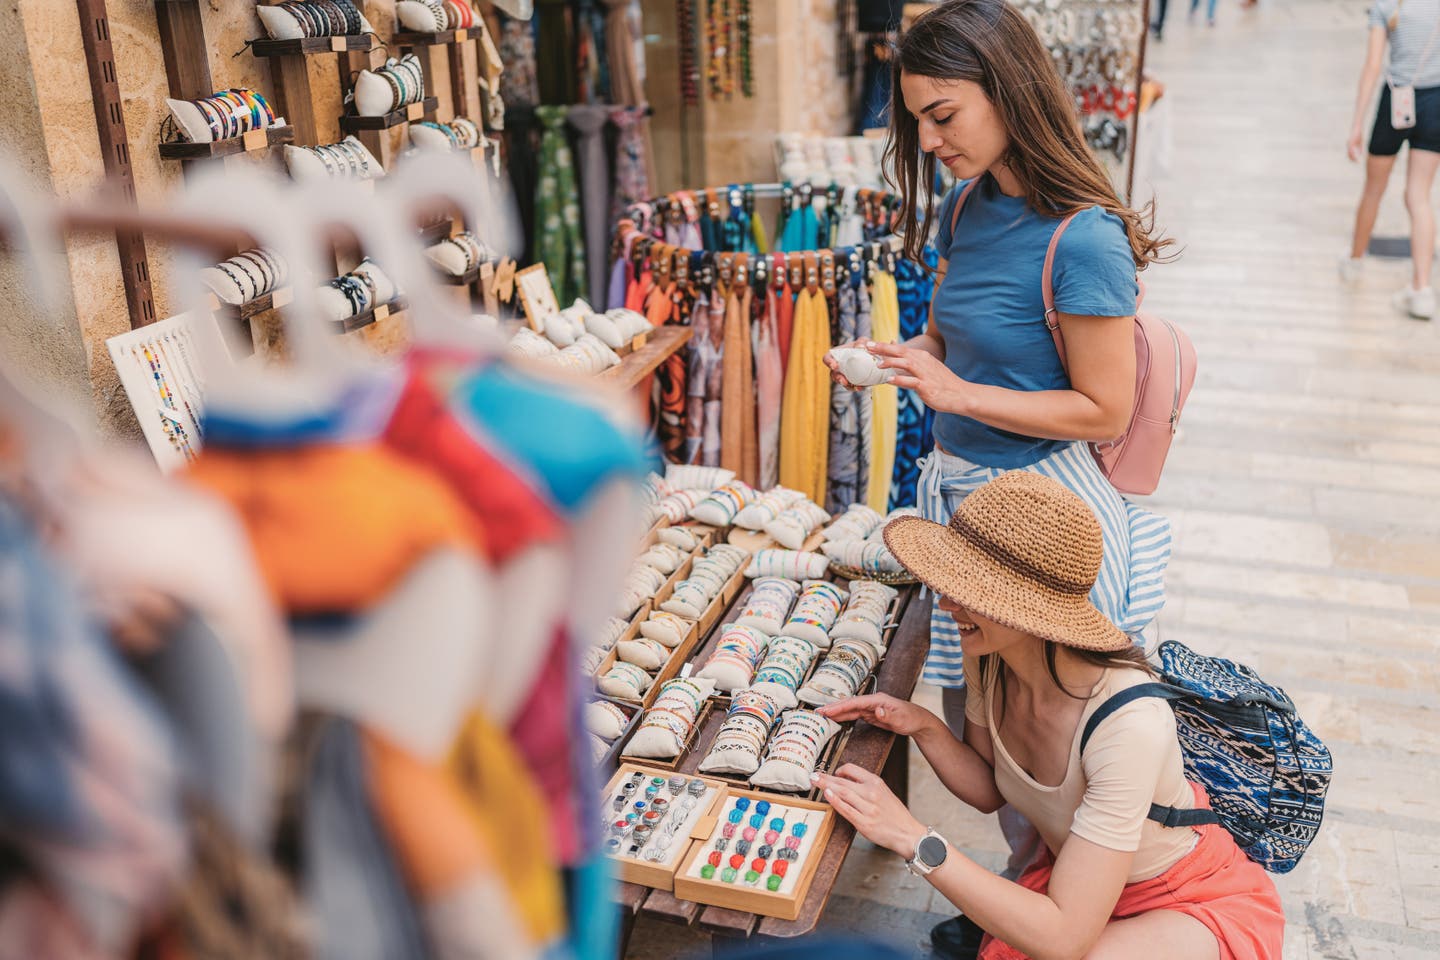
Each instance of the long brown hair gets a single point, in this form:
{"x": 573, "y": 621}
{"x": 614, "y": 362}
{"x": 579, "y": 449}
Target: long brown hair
{"x": 992, "y": 668}
{"x": 990, "y": 43}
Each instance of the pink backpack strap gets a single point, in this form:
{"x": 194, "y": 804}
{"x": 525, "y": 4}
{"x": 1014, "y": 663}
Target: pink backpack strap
{"x": 1047, "y": 292}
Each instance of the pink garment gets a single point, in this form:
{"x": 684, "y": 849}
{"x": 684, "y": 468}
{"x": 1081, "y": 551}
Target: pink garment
{"x": 769, "y": 387}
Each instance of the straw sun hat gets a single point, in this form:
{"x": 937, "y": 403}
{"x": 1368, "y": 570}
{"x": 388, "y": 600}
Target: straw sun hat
{"x": 1022, "y": 550}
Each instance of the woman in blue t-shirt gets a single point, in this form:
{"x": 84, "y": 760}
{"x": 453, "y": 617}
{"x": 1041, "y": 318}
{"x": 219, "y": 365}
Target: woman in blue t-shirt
{"x": 975, "y": 89}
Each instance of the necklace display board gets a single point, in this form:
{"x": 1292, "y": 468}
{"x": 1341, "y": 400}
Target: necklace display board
{"x": 1099, "y": 48}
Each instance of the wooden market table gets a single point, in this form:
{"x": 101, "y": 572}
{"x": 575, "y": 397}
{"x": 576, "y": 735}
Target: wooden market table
{"x": 867, "y": 746}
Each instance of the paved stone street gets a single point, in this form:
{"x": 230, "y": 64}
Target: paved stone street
{"x": 1305, "y": 489}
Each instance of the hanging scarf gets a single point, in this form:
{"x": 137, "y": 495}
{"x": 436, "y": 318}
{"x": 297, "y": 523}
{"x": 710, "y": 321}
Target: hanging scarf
{"x": 706, "y": 316}
{"x": 558, "y": 242}
{"x": 785, "y": 315}
{"x": 595, "y": 77}
{"x": 845, "y": 468}
{"x": 805, "y": 415}
{"x": 913, "y": 433}
{"x": 590, "y": 120}
{"x": 632, "y": 179}
{"x": 668, "y": 302}
{"x": 886, "y": 399}
{"x": 555, "y": 46}
{"x": 517, "y": 52}
{"x": 522, "y": 140}
{"x": 769, "y": 384}
{"x": 615, "y": 294}
{"x": 739, "y": 445}
{"x": 864, "y": 331}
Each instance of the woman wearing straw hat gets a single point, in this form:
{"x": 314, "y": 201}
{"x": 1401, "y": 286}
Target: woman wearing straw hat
{"x": 1013, "y": 568}
{"x": 976, "y": 90}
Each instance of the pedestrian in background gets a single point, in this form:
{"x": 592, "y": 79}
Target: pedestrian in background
{"x": 1409, "y": 111}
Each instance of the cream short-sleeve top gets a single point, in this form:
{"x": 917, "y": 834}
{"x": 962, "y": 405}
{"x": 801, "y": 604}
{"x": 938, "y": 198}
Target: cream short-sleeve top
{"x": 1132, "y": 760}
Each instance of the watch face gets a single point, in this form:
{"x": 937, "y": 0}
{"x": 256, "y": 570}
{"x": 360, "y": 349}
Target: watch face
{"x": 931, "y": 852}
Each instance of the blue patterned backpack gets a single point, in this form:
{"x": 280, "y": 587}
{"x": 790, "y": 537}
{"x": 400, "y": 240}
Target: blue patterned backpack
{"x": 1242, "y": 740}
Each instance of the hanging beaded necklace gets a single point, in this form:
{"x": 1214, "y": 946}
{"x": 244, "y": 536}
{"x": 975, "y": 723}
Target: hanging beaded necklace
{"x": 742, "y": 23}
{"x": 689, "y": 68}
{"x": 719, "y": 18}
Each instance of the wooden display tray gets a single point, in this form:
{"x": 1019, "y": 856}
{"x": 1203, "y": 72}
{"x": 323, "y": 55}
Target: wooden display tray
{"x": 433, "y": 233}
{"x": 707, "y": 710}
{"x": 634, "y": 368}
{"x": 669, "y": 670}
{"x": 757, "y": 900}
{"x": 350, "y": 123}
{"x": 350, "y": 43}
{"x": 273, "y": 300}
{"x": 252, "y": 140}
{"x": 410, "y": 38}
{"x": 757, "y": 540}
{"x": 612, "y": 756}
{"x": 661, "y": 876}
{"x": 374, "y": 314}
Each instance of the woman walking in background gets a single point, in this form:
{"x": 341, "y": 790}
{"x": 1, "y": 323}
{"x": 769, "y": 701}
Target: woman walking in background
{"x": 1409, "y": 28}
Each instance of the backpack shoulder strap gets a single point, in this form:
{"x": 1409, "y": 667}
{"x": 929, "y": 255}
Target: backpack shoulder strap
{"x": 1047, "y": 292}
{"x": 960, "y": 202}
{"x": 1165, "y": 816}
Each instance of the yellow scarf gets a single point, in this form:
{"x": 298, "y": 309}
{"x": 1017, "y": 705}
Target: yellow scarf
{"x": 884, "y": 328}
{"x": 805, "y": 408}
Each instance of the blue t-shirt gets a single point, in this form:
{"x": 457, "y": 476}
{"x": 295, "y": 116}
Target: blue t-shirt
{"x": 991, "y": 313}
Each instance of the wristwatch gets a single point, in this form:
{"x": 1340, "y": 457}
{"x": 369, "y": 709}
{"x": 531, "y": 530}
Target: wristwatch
{"x": 930, "y": 852}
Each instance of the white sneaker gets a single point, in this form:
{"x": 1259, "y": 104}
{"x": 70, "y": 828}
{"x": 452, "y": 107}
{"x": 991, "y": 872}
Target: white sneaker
{"x": 1419, "y": 304}
{"x": 1350, "y": 269}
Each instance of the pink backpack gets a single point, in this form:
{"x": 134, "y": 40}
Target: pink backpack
{"x": 1164, "y": 373}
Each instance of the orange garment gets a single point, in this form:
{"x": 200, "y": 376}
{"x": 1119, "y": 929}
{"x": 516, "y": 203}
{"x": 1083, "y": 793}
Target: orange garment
{"x": 739, "y": 443}
{"x": 447, "y": 826}
{"x": 1215, "y": 883}
{"x": 334, "y": 527}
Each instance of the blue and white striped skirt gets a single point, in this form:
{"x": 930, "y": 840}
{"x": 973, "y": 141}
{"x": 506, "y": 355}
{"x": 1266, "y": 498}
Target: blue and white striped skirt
{"x": 1131, "y": 587}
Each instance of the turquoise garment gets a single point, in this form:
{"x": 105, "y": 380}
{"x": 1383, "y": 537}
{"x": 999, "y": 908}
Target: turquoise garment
{"x": 799, "y": 232}
{"x": 569, "y": 447}
{"x": 991, "y": 312}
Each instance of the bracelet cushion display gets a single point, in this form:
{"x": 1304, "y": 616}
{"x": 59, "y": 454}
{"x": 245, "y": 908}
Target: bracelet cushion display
{"x": 768, "y": 605}
{"x": 741, "y": 738}
{"x": 676, "y": 506}
{"x": 296, "y": 21}
{"x": 720, "y": 507}
{"x": 625, "y": 680}
{"x": 864, "y": 616}
{"x": 618, "y": 327}
{"x": 842, "y": 674}
{"x": 667, "y": 724}
{"x": 422, "y": 16}
{"x": 790, "y": 564}
{"x": 665, "y": 557}
{"x": 351, "y": 294}
{"x": 795, "y": 524}
{"x": 683, "y": 537}
{"x": 815, "y": 612}
{"x": 856, "y": 523}
{"x": 347, "y": 159}
{"x": 645, "y": 653}
{"x": 568, "y": 326}
{"x": 794, "y": 750}
{"x": 587, "y": 356}
{"x": 605, "y": 720}
{"x": 458, "y": 134}
{"x": 457, "y": 255}
{"x": 736, "y": 658}
{"x": 681, "y": 476}
{"x": 222, "y": 116}
{"x": 767, "y": 507}
{"x": 398, "y": 83}
{"x": 784, "y": 667}
{"x": 528, "y": 343}
{"x": 246, "y": 276}
{"x": 666, "y": 627}
{"x": 862, "y": 555}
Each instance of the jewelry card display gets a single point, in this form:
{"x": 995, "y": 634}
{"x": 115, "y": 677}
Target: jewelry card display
{"x": 537, "y": 296}
{"x": 650, "y": 820}
{"x": 760, "y": 857}
{"x": 159, "y": 367}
